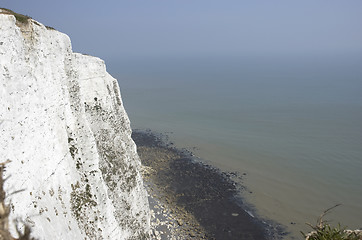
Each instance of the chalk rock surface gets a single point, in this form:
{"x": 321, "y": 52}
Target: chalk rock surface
{"x": 64, "y": 129}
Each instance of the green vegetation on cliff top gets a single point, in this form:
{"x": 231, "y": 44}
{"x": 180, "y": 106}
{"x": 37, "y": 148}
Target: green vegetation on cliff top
{"x": 19, "y": 17}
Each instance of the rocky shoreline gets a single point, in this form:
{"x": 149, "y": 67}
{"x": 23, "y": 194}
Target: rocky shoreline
{"x": 193, "y": 200}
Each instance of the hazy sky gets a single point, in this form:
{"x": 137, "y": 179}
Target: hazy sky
{"x": 153, "y": 28}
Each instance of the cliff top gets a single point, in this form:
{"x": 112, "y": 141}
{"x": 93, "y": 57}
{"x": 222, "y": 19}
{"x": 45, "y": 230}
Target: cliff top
{"x": 20, "y": 18}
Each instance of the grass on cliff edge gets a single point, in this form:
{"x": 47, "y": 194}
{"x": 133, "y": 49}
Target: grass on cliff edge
{"x": 324, "y": 231}
{"x": 327, "y": 232}
{"x": 19, "y": 17}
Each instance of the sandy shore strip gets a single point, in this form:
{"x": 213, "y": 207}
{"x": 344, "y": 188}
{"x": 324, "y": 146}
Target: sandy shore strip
{"x": 193, "y": 200}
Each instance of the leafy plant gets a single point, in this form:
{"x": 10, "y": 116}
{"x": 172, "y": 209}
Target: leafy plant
{"x": 4, "y": 214}
{"x": 324, "y": 231}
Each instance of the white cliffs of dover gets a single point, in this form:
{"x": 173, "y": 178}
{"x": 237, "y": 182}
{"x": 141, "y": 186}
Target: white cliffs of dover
{"x": 73, "y": 164}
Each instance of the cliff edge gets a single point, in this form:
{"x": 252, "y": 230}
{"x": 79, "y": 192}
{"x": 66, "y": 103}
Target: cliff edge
{"x": 64, "y": 129}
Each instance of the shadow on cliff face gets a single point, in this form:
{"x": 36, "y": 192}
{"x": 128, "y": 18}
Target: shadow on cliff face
{"x": 205, "y": 192}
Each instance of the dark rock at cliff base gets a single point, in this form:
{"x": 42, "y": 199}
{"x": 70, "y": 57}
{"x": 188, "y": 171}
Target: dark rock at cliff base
{"x": 198, "y": 192}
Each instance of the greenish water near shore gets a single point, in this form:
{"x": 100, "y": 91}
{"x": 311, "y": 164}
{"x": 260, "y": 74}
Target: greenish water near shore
{"x": 293, "y": 126}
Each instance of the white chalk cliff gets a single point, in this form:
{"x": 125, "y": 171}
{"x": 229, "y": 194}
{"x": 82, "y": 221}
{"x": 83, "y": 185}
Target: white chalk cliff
{"x": 64, "y": 129}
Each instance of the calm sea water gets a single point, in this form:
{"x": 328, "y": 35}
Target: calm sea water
{"x": 294, "y": 126}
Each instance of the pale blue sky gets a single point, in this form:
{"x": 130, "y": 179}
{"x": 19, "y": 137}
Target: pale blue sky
{"x": 154, "y": 28}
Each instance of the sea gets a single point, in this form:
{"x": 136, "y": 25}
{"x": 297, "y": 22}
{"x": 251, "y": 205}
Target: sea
{"x": 291, "y": 126}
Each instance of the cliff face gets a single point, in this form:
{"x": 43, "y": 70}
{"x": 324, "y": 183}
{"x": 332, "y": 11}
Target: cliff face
{"x": 64, "y": 128}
